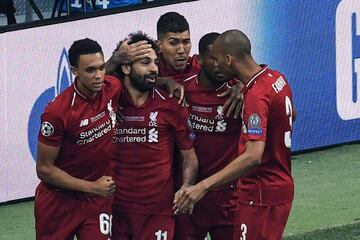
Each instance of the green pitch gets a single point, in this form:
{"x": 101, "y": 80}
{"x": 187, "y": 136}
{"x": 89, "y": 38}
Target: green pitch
{"x": 326, "y": 206}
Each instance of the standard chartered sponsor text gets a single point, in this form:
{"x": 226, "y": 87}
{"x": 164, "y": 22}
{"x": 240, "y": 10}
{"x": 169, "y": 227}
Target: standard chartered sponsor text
{"x": 206, "y": 124}
{"x": 122, "y": 135}
{"x": 94, "y": 133}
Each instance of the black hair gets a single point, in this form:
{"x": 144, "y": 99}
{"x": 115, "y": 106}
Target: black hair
{"x": 133, "y": 38}
{"x": 82, "y": 47}
{"x": 207, "y": 40}
{"x": 171, "y": 22}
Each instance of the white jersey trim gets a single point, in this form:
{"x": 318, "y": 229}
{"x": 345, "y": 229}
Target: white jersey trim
{"x": 189, "y": 78}
{"x": 254, "y": 77}
{"x": 73, "y": 99}
{"x": 155, "y": 90}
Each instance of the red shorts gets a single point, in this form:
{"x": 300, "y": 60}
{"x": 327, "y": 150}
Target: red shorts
{"x": 260, "y": 223}
{"x": 216, "y": 213}
{"x": 62, "y": 215}
{"x": 130, "y": 226}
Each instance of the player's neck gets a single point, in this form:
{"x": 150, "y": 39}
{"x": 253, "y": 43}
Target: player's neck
{"x": 137, "y": 97}
{"x": 248, "y": 71}
{"x": 84, "y": 91}
{"x": 206, "y": 82}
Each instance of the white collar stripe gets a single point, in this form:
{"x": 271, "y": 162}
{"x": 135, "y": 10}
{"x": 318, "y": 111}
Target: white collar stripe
{"x": 159, "y": 94}
{"x": 189, "y": 78}
{"x": 254, "y": 77}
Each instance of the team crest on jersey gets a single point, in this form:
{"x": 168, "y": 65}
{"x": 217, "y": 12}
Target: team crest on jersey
{"x": 153, "y": 119}
{"x": 47, "y": 129}
{"x": 112, "y": 114}
{"x": 220, "y": 114}
{"x": 254, "y": 125}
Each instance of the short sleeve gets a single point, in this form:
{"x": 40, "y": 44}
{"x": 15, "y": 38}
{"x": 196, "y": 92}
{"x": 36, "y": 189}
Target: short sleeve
{"x": 51, "y": 130}
{"x": 255, "y": 116}
{"x": 180, "y": 121}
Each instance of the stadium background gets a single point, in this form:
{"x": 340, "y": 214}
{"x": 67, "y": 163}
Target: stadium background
{"x": 315, "y": 43}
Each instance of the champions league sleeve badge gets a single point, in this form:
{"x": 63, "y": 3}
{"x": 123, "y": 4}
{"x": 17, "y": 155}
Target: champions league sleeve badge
{"x": 254, "y": 125}
{"x": 47, "y": 129}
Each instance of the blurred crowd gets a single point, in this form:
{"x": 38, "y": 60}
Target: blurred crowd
{"x": 13, "y": 11}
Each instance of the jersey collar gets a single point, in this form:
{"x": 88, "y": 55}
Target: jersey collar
{"x": 253, "y": 79}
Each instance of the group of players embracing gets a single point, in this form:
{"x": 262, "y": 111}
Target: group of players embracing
{"x": 155, "y": 144}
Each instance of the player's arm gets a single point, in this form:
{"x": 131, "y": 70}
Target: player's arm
{"x": 190, "y": 166}
{"x": 249, "y": 159}
{"x": 190, "y": 170}
{"x": 126, "y": 53}
{"x": 52, "y": 175}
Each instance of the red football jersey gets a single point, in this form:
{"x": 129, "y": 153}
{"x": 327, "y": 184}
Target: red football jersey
{"x": 216, "y": 136}
{"x": 267, "y": 116}
{"x": 192, "y": 68}
{"x": 83, "y": 127}
{"x": 143, "y": 153}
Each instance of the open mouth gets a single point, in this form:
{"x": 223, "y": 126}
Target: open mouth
{"x": 150, "y": 78}
{"x": 219, "y": 75}
{"x": 99, "y": 84}
{"x": 181, "y": 61}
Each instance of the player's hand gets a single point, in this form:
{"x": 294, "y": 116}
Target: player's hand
{"x": 104, "y": 186}
{"x": 188, "y": 197}
{"x": 119, "y": 115}
{"x": 173, "y": 88}
{"x": 176, "y": 199}
{"x": 234, "y": 101}
{"x": 177, "y": 90}
{"x": 128, "y": 53}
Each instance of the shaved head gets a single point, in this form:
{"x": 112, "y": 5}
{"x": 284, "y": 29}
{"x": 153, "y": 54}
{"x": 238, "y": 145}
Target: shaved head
{"x": 235, "y": 43}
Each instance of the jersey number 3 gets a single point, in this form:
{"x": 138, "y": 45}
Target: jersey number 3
{"x": 289, "y": 114}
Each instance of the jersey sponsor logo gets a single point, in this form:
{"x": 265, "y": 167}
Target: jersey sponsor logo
{"x": 94, "y": 133}
{"x": 221, "y": 126}
{"x": 62, "y": 81}
{"x": 153, "y": 135}
{"x": 254, "y": 125}
{"x": 47, "y": 129}
{"x": 153, "y": 119}
{"x": 129, "y": 135}
{"x": 136, "y": 135}
{"x": 201, "y": 109}
{"x": 203, "y": 124}
{"x": 84, "y": 122}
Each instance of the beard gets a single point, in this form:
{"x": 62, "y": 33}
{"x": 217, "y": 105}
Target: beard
{"x": 139, "y": 81}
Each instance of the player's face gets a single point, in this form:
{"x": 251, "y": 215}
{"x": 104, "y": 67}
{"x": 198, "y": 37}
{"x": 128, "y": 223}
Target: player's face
{"x": 90, "y": 73}
{"x": 175, "y": 49}
{"x": 220, "y": 62}
{"x": 143, "y": 73}
{"x": 211, "y": 70}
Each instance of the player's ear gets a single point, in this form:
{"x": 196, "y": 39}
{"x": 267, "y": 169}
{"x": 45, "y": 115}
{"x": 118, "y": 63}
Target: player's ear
{"x": 74, "y": 70}
{"x": 200, "y": 60}
{"x": 126, "y": 69}
{"x": 158, "y": 42}
{"x": 229, "y": 59}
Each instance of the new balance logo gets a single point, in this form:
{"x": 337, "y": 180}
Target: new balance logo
{"x": 84, "y": 122}
{"x": 153, "y": 135}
